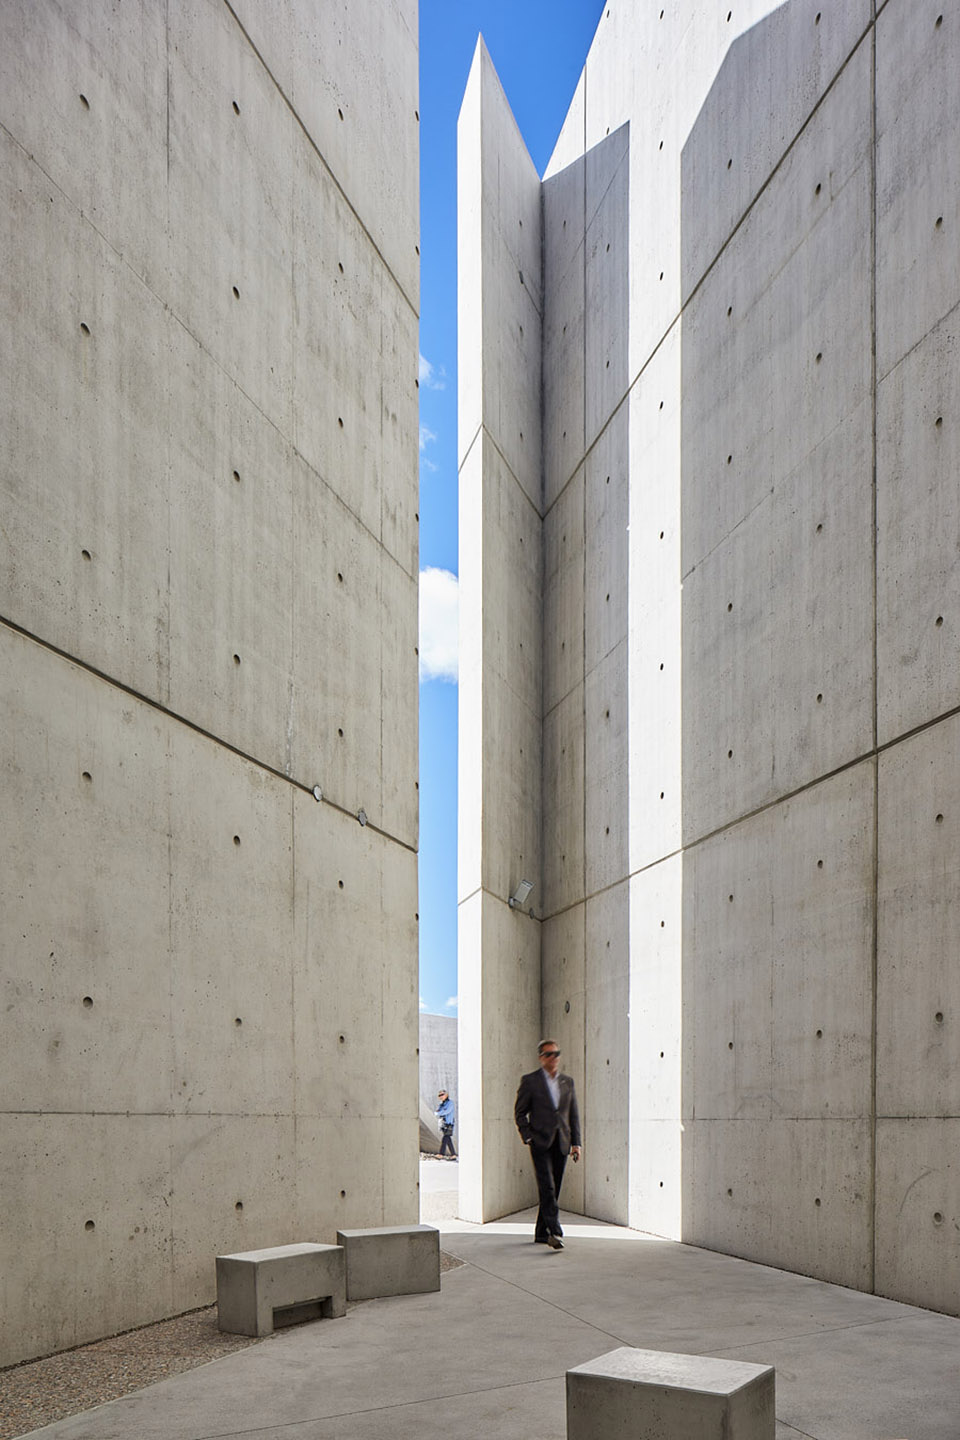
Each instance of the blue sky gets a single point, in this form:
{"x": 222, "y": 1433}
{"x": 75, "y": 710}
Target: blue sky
{"x": 538, "y": 48}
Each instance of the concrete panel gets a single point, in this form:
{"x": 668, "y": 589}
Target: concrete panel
{"x": 83, "y": 568}
{"x": 563, "y": 803}
{"x": 91, "y": 1194}
{"x": 777, "y": 656}
{"x": 757, "y": 400}
{"x": 918, "y": 1211}
{"x": 397, "y": 795}
{"x": 606, "y": 772}
{"x": 656, "y": 1035}
{"x": 350, "y": 77}
{"x": 606, "y": 1054}
{"x": 217, "y": 1198}
{"x": 918, "y": 515}
{"x": 564, "y": 199}
{"x": 918, "y": 926}
{"x": 770, "y": 81}
{"x": 230, "y": 933}
{"x": 335, "y": 742}
{"x": 778, "y": 959}
{"x": 86, "y": 965}
{"x": 511, "y": 1010}
{"x": 231, "y": 203}
{"x": 606, "y": 281}
{"x": 230, "y": 558}
{"x": 342, "y": 316}
{"x": 791, "y": 1193}
{"x": 606, "y": 528}
{"x": 470, "y": 1044}
{"x": 918, "y": 174}
{"x": 88, "y": 103}
{"x": 511, "y": 791}
{"x": 470, "y": 262}
{"x": 349, "y": 927}
{"x": 470, "y": 671}
{"x": 563, "y": 593}
{"x": 343, "y": 1174}
{"x": 654, "y": 609}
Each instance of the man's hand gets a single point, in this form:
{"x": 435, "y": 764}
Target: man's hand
{"x": 575, "y": 1152}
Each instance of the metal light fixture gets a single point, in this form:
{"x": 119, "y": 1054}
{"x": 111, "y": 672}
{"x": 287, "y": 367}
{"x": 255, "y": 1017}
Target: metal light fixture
{"x": 519, "y": 897}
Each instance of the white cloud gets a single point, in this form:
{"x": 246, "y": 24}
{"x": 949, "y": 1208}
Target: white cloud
{"x": 426, "y": 438}
{"x": 453, "y": 1002}
{"x": 430, "y": 378}
{"x": 423, "y": 1003}
{"x": 439, "y": 603}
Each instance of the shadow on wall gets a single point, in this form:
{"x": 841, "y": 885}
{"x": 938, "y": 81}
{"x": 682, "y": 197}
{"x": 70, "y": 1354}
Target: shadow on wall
{"x": 585, "y": 934}
{"x": 777, "y": 568}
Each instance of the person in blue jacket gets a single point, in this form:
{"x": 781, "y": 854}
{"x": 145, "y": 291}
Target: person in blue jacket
{"x": 445, "y": 1115}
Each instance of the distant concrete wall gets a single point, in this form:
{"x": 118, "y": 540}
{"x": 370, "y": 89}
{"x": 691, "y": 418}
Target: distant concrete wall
{"x": 438, "y": 1060}
{"x": 751, "y": 632}
{"x": 208, "y": 606}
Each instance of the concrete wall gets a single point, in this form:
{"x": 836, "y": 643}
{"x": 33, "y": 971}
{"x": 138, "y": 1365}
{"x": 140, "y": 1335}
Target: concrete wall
{"x": 749, "y": 894}
{"x": 208, "y": 606}
{"x": 438, "y": 1061}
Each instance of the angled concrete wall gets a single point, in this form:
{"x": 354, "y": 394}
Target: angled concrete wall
{"x": 208, "y": 607}
{"x": 749, "y": 897}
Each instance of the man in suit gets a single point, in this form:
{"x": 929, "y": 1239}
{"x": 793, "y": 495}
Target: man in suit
{"x": 549, "y": 1122}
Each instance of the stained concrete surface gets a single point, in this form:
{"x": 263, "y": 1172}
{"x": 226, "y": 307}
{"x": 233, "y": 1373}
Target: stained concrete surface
{"x": 488, "y": 1354}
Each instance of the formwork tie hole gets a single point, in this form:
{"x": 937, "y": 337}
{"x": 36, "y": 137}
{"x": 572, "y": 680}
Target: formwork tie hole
{"x": 236, "y": 108}
{"x": 90, "y": 1225}
{"x": 87, "y": 1002}
{"x": 236, "y": 839}
{"x": 939, "y": 621}
{"x": 939, "y": 819}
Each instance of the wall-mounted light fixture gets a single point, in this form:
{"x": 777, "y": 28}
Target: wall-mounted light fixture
{"x": 519, "y": 897}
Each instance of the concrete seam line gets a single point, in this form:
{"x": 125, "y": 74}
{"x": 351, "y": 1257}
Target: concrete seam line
{"x": 322, "y": 158}
{"x": 217, "y": 740}
{"x": 473, "y": 441}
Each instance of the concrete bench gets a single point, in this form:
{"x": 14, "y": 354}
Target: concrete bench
{"x": 393, "y": 1260}
{"x": 640, "y": 1393}
{"x": 288, "y": 1282}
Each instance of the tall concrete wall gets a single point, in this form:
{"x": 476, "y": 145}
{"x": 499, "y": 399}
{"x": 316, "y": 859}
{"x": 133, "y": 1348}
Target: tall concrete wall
{"x": 750, "y": 279}
{"x": 208, "y": 607}
{"x": 500, "y": 633}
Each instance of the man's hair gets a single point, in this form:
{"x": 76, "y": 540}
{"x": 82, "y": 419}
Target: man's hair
{"x": 543, "y": 1045}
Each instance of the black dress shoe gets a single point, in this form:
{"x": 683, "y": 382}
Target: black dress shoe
{"x": 554, "y": 1242}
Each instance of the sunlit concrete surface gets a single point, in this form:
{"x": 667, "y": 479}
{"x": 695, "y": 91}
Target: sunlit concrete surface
{"x": 737, "y": 797}
{"x": 487, "y": 1356}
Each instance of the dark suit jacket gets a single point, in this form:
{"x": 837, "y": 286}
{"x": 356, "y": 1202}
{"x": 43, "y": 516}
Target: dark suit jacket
{"x": 538, "y": 1121}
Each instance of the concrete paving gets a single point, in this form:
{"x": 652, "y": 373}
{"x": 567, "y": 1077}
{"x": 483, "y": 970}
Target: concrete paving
{"x": 487, "y": 1355}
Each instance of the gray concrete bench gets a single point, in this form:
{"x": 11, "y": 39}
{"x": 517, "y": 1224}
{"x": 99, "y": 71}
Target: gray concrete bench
{"x": 638, "y": 1393}
{"x": 392, "y": 1260}
{"x": 289, "y": 1282}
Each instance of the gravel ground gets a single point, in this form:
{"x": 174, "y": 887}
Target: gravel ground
{"x": 41, "y": 1391}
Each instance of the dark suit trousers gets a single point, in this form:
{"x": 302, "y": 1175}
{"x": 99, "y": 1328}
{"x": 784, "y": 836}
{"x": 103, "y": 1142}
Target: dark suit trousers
{"x": 548, "y": 1164}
